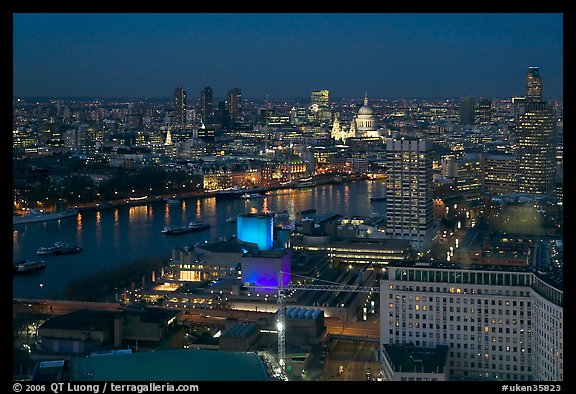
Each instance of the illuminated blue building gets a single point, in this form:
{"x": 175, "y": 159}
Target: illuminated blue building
{"x": 257, "y": 229}
{"x": 263, "y": 269}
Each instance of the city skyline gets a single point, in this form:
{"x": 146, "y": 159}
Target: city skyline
{"x": 285, "y": 55}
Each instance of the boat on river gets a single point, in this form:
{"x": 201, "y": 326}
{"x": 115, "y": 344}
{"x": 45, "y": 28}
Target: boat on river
{"x": 39, "y": 215}
{"x": 59, "y": 248}
{"x": 24, "y": 266}
{"x": 191, "y": 227}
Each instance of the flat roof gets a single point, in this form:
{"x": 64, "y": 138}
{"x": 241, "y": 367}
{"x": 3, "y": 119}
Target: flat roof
{"x": 407, "y": 358}
{"x": 229, "y": 246}
{"x": 166, "y": 365}
{"x": 84, "y": 319}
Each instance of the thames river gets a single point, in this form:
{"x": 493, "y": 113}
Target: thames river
{"x": 124, "y": 234}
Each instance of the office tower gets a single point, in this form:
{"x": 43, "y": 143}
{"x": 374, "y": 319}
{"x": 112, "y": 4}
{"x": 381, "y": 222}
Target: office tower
{"x": 320, "y": 98}
{"x": 409, "y": 192}
{"x": 467, "y": 110}
{"x": 484, "y": 111}
{"x": 500, "y": 173}
{"x": 536, "y": 146}
{"x": 469, "y": 176}
{"x": 234, "y": 104}
{"x": 533, "y": 85}
{"x": 319, "y": 107}
{"x": 206, "y": 105}
{"x": 179, "y": 106}
{"x": 504, "y": 324}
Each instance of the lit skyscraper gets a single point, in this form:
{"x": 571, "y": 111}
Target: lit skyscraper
{"x": 536, "y": 148}
{"x": 234, "y": 104}
{"x": 319, "y": 107}
{"x": 320, "y": 98}
{"x": 206, "y": 105}
{"x": 179, "y": 105}
{"x": 533, "y": 85}
{"x": 409, "y": 192}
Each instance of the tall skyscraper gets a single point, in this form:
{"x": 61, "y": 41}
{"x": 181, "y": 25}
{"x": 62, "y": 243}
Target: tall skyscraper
{"x": 234, "y": 104}
{"x": 409, "y": 192}
{"x": 533, "y": 85}
{"x": 536, "y": 147}
{"x": 179, "y": 105}
{"x": 467, "y": 110}
{"x": 206, "y": 105}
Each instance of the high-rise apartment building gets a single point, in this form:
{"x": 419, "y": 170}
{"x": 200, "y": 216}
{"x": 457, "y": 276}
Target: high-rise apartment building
{"x": 409, "y": 192}
{"x": 503, "y": 324}
{"x": 206, "y": 105}
{"x": 536, "y": 146}
{"x": 179, "y": 106}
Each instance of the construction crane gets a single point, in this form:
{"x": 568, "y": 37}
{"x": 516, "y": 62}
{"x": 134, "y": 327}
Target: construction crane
{"x": 281, "y": 302}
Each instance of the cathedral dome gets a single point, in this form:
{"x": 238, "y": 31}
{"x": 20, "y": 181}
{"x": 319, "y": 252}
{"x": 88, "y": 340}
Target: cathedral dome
{"x": 365, "y": 110}
{"x": 366, "y": 119}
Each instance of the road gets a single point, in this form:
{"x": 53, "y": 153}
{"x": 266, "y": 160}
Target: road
{"x": 365, "y": 329}
{"x": 356, "y": 360}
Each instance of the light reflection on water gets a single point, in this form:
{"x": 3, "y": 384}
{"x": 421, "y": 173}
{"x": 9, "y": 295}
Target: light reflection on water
{"x": 124, "y": 234}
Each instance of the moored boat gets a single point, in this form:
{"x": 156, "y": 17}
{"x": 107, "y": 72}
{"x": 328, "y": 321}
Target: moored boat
{"x": 39, "y": 215}
{"x": 191, "y": 227}
{"x": 23, "y": 266}
{"x": 59, "y": 248}
{"x": 247, "y": 196}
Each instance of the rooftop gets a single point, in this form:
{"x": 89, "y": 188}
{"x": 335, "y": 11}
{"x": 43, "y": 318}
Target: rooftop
{"x": 166, "y": 365}
{"x": 83, "y": 319}
{"x": 408, "y": 358}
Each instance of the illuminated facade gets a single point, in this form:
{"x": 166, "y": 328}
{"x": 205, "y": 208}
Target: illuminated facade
{"x": 533, "y": 85}
{"x": 263, "y": 269}
{"x": 319, "y": 107}
{"x": 257, "y": 229}
{"x": 364, "y": 125}
{"x": 498, "y": 324}
{"x": 320, "y": 98}
{"x": 355, "y": 251}
{"x": 536, "y": 147}
{"x": 469, "y": 175}
{"x": 500, "y": 174}
{"x": 365, "y": 122}
{"x": 409, "y": 192}
{"x": 536, "y": 150}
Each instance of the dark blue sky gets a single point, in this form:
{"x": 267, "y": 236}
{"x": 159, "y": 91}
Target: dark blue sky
{"x": 286, "y": 55}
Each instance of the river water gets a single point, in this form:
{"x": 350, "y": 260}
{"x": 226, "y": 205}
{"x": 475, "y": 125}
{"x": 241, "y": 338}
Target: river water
{"x": 119, "y": 235}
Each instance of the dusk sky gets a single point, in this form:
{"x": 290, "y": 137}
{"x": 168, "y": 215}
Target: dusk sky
{"x": 286, "y": 55}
